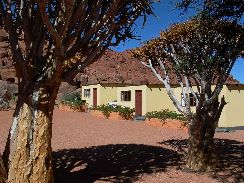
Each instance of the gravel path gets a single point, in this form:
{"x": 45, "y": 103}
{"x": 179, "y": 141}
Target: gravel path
{"x": 88, "y": 149}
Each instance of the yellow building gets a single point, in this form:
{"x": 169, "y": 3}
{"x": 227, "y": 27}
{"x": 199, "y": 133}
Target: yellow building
{"x": 147, "y": 98}
{"x": 120, "y": 77}
{"x": 232, "y": 114}
{"x": 99, "y": 94}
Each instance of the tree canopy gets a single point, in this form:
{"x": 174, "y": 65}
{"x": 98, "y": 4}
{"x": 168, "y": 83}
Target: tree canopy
{"x": 202, "y": 51}
{"x": 216, "y": 9}
{"x": 85, "y": 26}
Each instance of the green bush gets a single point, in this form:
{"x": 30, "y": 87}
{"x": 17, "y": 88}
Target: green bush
{"x": 156, "y": 114}
{"x": 165, "y": 114}
{"x": 72, "y": 99}
{"x": 105, "y": 109}
{"x": 124, "y": 112}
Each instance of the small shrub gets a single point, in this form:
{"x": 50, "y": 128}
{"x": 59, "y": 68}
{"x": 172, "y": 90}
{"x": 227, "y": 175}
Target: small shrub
{"x": 7, "y": 92}
{"x": 156, "y": 114}
{"x": 73, "y": 100}
{"x": 165, "y": 114}
{"x": 4, "y": 104}
{"x": 105, "y": 109}
{"x": 125, "y": 112}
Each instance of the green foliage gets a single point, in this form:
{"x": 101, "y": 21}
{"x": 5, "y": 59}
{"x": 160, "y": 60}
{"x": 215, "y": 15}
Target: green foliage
{"x": 73, "y": 99}
{"x": 215, "y": 9}
{"x": 165, "y": 114}
{"x": 4, "y": 104}
{"x": 124, "y": 112}
{"x": 205, "y": 47}
{"x": 106, "y": 110}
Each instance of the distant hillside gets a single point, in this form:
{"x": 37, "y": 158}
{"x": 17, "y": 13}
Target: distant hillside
{"x": 115, "y": 67}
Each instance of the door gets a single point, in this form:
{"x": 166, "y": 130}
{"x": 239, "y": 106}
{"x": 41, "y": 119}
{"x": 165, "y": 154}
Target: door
{"x": 94, "y": 97}
{"x": 138, "y": 102}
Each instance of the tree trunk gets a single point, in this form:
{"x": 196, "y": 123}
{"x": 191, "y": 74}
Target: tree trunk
{"x": 30, "y": 153}
{"x": 3, "y": 175}
{"x": 201, "y": 148}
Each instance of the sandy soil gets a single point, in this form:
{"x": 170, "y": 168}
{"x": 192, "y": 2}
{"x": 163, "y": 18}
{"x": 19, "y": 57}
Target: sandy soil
{"x": 88, "y": 149}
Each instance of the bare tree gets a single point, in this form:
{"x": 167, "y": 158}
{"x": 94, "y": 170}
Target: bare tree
{"x": 201, "y": 55}
{"x": 45, "y": 37}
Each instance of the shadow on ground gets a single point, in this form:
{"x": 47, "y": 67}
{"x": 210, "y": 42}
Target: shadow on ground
{"x": 231, "y": 158}
{"x": 112, "y": 163}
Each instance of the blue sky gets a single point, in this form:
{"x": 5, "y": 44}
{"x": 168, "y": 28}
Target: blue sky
{"x": 166, "y": 14}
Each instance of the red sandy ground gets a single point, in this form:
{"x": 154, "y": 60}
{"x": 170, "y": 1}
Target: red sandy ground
{"x": 88, "y": 149}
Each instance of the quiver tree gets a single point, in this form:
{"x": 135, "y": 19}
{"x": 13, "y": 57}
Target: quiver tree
{"x": 232, "y": 10}
{"x": 45, "y": 37}
{"x": 200, "y": 54}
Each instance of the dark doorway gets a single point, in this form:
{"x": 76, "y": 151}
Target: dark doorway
{"x": 138, "y": 103}
{"x": 10, "y": 80}
{"x": 3, "y": 63}
{"x": 94, "y": 97}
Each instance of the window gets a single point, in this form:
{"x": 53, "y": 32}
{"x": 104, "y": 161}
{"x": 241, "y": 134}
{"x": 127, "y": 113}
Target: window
{"x": 183, "y": 104}
{"x": 193, "y": 101}
{"x": 87, "y": 93}
{"x": 125, "y": 95}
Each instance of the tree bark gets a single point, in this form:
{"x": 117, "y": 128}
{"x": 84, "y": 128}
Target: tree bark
{"x": 201, "y": 148}
{"x": 3, "y": 175}
{"x": 30, "y": 153}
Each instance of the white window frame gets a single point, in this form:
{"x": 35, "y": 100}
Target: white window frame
{"x": 87, "y": 93}
{"x": 191, "y": 97}
{"x": 125, "y": 96}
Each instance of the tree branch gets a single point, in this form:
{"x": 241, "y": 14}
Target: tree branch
{"x": 13, "y": 39}
{"x": 51, "y": 29}
{"x": 168, "y": 88}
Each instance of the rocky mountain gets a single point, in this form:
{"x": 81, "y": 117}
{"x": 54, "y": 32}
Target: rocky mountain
{"x": 116, "y": 67}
